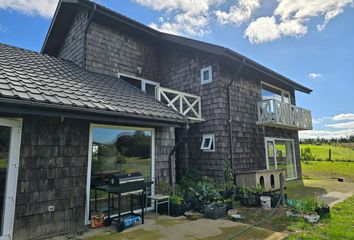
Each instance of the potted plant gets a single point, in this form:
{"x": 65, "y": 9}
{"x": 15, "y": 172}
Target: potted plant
{"x": 177, "y": 206}
{"x": 309, "y": 207}
{"x": 248, "y": 197}
{"x": 323, "y": 209}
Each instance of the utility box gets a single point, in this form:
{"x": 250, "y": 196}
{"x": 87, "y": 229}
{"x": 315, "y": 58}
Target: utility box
{"x": 268, "y": 179}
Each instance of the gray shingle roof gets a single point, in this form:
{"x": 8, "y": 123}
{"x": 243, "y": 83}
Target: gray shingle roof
{"x": 30, "y": 76}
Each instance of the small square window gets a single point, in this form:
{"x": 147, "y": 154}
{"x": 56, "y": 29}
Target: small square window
{"x": 206, "y": 75}
{"x": 208, "y": 143}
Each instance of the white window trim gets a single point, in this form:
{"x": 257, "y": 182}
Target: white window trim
{"x": 11, "y": 176}
{"x": 89, "y": 164}
{"x": 210, "y": 69}
{"x": 271, "y": 139}
{"x": 283, "y": 92}
{"x": 143, "y": 82}
{"x": 212, "y": 142}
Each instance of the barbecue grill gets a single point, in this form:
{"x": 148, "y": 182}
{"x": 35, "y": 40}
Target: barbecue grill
{"x": 123, "y": 184}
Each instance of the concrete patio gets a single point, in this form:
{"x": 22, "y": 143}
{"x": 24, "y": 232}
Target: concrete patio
{"x": 170, "y": 228}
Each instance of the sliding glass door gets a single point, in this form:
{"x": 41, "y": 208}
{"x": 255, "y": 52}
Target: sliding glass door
{"x": 10, "y": 136}
{"x": 118, "y": 150}
{"x": 280, "y": 154}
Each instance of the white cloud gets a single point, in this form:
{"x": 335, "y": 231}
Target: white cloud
{"x": 43, "y": 8}
{"x": 238, "y": 13}
{"x": 326, "y": 134}
{"x": 343, "y": 116}
{"x": 345, "y": 125}
{"x": 315, "y": 75}
{"x": 266, "y": 29}
{"x": 290, "y": 18}
{"x": 190, "y": 18}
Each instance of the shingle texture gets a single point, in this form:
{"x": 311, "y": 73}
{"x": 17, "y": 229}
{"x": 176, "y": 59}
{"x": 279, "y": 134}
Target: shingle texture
{"x": 30, "y": 76}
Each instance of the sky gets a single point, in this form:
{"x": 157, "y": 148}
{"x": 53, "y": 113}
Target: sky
{"x": 308, "y": 41}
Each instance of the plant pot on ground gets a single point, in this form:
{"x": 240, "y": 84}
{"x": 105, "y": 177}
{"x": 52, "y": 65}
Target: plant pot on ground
{"x": 178, "y": 206}
{"x": 323, "y": 210}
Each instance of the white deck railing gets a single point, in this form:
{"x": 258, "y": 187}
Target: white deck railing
{"x": 187, "y": 104}
{"x": 279, "y": 114}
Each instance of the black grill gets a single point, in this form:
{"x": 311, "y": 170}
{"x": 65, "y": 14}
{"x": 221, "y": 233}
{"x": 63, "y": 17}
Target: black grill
{"x": 124, "y": 178}
{"x": 121, "y": 184}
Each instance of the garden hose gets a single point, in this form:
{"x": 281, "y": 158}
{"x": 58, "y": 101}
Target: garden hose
{"x": 267, "y": 217}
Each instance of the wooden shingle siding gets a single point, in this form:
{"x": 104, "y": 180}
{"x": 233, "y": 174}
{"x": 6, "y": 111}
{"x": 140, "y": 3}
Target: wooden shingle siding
{"x": 180, "y": 70}
{"x": 248, "y": 137}
{"x": 110, "y": 51}
{"x": 73, "y": 46}
{"x": 52, "y": 172}
{"x": 165, "y": 142}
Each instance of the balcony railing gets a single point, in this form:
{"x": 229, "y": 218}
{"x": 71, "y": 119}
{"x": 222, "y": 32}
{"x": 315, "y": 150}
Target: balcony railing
{"x": 279, "y": 114}
{"x": 187, "y": 104}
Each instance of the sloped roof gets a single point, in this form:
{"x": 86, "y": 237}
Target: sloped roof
{"x": 66, "y": 10}
{"x": 29, "y": 76}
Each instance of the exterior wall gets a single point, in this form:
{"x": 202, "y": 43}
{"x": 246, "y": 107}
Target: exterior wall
{"x": 248, "y": 137}
{"x": 180, "y": 70}
{"x": 165, "y": 142}
{"x": 110, "y": 51}
{"x": 73, "y": 46}
{"x": 52, "y": 171}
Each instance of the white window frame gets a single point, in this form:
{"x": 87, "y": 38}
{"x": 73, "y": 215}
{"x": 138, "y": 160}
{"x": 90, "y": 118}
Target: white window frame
{"x": 272, "y": 139}
{"x": 283, "y": 92}
{"x": 211, "y": 143}
{"x": 11, "y": 176}
{"x": 210, "y": 69}
{"x": 143, "y": 82}
{"x": 89, "y": 164}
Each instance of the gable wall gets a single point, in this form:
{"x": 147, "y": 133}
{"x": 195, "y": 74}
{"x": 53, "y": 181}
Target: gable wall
{"x": 110, "y": 51}
{"x": 73, "y": 46}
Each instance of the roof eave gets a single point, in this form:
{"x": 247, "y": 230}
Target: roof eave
{"x": 29, "y": 107}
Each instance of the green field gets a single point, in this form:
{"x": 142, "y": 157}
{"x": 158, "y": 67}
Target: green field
{"x": 338, "y": 226}
{"x": 340, "y": 152}
{"x": 326, "y": 170}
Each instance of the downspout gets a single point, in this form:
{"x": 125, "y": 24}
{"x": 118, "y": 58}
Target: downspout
{"x": 175, "y": 148}
{"x": 85, "y": 34}
{"x": 230, "y": 113}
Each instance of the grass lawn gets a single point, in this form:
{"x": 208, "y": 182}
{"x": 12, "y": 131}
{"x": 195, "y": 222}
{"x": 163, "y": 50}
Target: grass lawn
{"x": 339, "y": 226}
{"x": 3, "y": 163}
{"x": 326, "y": 170}
{"x": 339, "y": 152}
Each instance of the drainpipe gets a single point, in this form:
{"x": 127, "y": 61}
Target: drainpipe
{"x": 85, "y": 33}
{"x": 175, "y": 148}
{"x": 230, "y": 113}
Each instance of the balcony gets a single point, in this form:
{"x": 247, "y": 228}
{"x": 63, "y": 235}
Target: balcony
{"x": 274, "y": 113}
{"x": 187, "y": 104}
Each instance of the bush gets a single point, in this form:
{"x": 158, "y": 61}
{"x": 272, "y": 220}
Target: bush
{"x": 306, "y": 155}
{"x": 199, "y": 191}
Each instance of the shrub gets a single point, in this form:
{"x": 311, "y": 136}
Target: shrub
{"x": 306, "y": 155}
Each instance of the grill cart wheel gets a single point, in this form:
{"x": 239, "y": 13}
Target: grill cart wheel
{"x": 120, "y": 226}
{"x": 107, "y": 222}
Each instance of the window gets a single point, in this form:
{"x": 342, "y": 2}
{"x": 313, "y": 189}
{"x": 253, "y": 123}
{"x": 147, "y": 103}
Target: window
{"x": 116, "y": 149}
{"x": 272, "y": 92}
{"x": 206, "y": 75}
{"x": 280, "y": 154}
{"x": 147, "y": 86}
{"x": 208, "y": 143}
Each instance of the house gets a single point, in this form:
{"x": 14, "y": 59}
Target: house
{"x": 109, "y": 94}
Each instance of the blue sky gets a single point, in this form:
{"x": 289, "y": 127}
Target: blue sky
{"x": 311, "y": 42}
